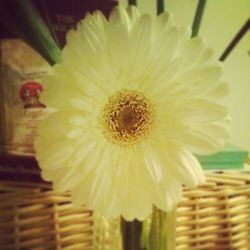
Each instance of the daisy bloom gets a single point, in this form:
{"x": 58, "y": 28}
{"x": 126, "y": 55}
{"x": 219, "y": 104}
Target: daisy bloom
{"x": 135, "y": 98}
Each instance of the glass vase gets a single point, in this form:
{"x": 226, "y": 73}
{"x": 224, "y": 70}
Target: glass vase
{"x": 154, "y": 233}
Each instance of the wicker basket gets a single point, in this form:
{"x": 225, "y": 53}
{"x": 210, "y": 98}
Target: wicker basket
{"x": 213, "y": 216}
{"x": 216, "y": 216}
{"x": 34, "y": 217}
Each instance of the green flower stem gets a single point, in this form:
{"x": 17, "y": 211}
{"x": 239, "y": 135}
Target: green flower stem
{"x": 157, "y": 233}
{"x": 240, "y": 34}
{"x": 160, "y": 6}
{"x": 131, "y": 234}
{"x": 198, "y": 17}
{"x": 162, "y": 231}
{"x": 132, "y": 2}
{"x": 170, "y": 225}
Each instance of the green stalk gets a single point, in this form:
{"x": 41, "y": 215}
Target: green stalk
{"x": 154, "y": 239}
{"x": 198, "y": 17}
{"x": 240, "y": 34}
{"x": 22, "y": 19}
{"x": 131, "y": 232}
{"x": 132, "y": 2}
{"x": 162, "y": 230}
{"x": 160, "y": 6}
{"x": 170, "y": 225}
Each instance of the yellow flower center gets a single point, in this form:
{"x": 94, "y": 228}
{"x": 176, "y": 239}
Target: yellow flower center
{"x": 127, "y": 117}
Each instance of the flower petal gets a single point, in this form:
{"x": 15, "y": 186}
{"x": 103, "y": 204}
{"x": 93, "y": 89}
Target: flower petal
{"x": 198, "y": 79}
{"x": 139, "y": 43}
{"x": 207, "y": 138}
{"x": 119, "y": 17}
{"x": 152, "y": 162}
{"x": 133, "y": 14}
{"x": 187, "y": 168}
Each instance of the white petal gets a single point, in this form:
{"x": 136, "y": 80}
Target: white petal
{"x": 162, "y": 23}
{"x": 173, "y": 195}
{"x": 164, "y": 48}
{"x": 201, "y": 110}
{"x": 219, "y": 91}
{"x": 119, "y": 17}
{"x": 188, "y": 169}
{"x": 53, "y": 154}
{"x": 58, "y": 95}
{"x": 139, "y": 43}
{"x": 118, "y": 50}
{"x": 133, "y": 14}
{"x": 207, "y": 138}
{"x": 152, "y": 162}
{"x": 198, "y": 79}
{"x": 55, "y": 125}
{"x": 193, "y": 52}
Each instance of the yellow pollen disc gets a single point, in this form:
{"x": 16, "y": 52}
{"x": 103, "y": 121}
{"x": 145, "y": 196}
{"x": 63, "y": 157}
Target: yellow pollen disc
{"x": 127, "y": 117}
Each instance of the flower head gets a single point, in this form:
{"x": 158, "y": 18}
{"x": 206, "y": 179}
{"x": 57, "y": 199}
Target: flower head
{"x": 135, "y": 98}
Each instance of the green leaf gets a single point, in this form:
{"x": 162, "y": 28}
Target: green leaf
{"x": 22, "y": 19}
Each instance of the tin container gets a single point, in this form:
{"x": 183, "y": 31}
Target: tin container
{"x": 22, "y": 69}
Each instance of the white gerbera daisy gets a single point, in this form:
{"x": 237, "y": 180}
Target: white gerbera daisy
{"x": 135, "y": 98}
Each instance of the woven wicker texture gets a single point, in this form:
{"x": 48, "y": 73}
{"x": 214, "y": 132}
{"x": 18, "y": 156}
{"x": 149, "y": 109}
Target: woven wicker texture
{"x": 215, "y": 216}
{"x": 34, "y": 217}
